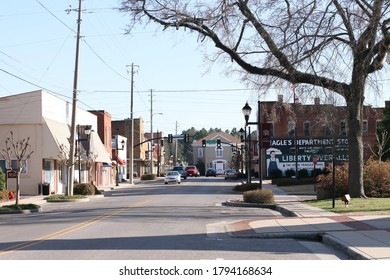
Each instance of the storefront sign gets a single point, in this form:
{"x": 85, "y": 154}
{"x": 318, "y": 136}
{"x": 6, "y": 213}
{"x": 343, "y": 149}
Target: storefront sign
{"x": 311, "y": 153}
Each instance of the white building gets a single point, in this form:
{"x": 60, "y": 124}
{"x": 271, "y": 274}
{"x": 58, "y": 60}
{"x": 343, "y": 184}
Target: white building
{"x": 46, "y": 119}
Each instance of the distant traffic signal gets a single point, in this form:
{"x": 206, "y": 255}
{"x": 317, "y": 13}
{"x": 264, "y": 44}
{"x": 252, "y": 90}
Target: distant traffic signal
{"x": 219, "y": 144}
{"x": 203, "y": 143}
{"x": 170, "y": 138}
{"x": 186, "y": 138}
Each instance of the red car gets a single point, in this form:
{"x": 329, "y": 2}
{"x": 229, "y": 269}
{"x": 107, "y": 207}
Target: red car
{"x": 192, "y": 171}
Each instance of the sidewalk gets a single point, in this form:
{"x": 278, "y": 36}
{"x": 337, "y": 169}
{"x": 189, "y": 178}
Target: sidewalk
{"x": 360, "y": 237}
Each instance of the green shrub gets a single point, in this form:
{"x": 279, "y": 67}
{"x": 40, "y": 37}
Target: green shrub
{"x": 246, "y": 187}
{"x": 84, "y": 189}
{"x": 376, "y": 178}
{"x": 276, "y": 173}
{"x": 14, "y": 207}
{"x": 149, "y": 177}
{"x": 259, "y": 196}
{"x": 290, "y": 172}
{"x": 303, "y": 173}
{"x": 316, "y": 172}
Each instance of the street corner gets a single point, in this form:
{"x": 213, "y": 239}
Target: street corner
{"x": 240, "y": 228}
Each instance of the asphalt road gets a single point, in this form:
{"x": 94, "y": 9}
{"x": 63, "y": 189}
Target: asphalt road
{"x": 149, "y": 221}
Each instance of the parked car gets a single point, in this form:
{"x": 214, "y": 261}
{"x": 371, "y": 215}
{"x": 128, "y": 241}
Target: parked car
{"x": 181, "y": 170}
{"x": 220, "y": 172}
{"x": 231, "y": 174}
{"x": 172, "y": 176}
{"x": 191, "y": 171}
{"x": 211, "y": 172}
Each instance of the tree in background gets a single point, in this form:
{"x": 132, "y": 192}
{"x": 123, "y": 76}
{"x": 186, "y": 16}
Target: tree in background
{"x": 322, "y": 46}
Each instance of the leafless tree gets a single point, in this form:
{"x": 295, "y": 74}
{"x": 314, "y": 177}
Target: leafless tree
{"x": 336, "y": 45}
{"x": 19, "y": 150}
{"x": 382, "y": 140}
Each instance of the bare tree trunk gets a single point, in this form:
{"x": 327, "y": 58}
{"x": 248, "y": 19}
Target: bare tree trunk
{"x": 17, "y": 189}
{"x": 355, "y": 139}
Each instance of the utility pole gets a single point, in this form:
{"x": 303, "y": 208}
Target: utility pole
{"x": 74, "y": 108}
{"x": 176, "y": 144}
{"x": 131, "y": 150}
{"x": 151, "y": 132}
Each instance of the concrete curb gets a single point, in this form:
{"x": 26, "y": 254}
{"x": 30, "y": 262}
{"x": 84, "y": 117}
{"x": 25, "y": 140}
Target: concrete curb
{"x": 27, "y": 211}
{"x": 343, "y": 247}
{"x": 68, "y": 200}
{"x": 276, "y": 207}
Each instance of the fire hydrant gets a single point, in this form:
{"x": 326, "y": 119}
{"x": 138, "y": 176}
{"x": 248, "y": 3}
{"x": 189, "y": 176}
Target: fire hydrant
{"x": 11, "y": 195}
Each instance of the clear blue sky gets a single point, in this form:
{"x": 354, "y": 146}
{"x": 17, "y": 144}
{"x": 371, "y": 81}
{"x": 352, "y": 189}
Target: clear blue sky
{"x": 37, "y": 49}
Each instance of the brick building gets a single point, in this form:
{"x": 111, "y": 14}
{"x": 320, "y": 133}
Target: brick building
{"x": 321, "y": 130}
{"x": 140, "y": 161}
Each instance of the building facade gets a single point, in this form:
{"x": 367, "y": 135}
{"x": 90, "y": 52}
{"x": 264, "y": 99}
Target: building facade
{"x": 310, "y": 136}
{"x": 211, "y": 156}
{"x": 141, "y": 148}
{"x": 45, "y": 120}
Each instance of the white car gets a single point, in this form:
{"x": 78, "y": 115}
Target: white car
{"x": 172, "y": 176}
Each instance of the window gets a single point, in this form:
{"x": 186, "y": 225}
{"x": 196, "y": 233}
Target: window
{"x": 219, "y": 153}
{"x": 14, "y": 165}
{"x": 306, "y": 128}
{"x": 365, "y": 128}
{"x": 3, "y": 166}
{"x": 378, "y": 125}
{"x": 328, "y": 130}
{"x": 343, "y": 128}
{"x": 200, "y": 152}
{"x": 271, "y": 129}
{"x": 291, "y": 128}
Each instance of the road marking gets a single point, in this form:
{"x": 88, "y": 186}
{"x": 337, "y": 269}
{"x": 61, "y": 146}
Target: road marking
{"x": 73, "y": 228}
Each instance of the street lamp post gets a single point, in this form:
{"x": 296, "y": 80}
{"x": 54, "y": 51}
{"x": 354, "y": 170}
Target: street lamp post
{"x": 246, "y": 110}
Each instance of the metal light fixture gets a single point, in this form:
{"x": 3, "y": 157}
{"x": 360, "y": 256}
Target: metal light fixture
{"x": 246, "y": 110}
{"x": 88, "y": 129}
{"x": 242, "y": 134}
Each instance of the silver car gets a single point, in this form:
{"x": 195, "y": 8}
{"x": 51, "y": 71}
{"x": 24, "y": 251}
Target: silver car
{"x": 172, "y": 176}
{"x": 231, "y": 174}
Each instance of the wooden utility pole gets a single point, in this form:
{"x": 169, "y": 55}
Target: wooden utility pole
{"x": 74, "y": 108}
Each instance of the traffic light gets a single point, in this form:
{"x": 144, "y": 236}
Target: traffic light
{"x": 170, "y": 138}
{"x": 219, "y": 144}
{"x": 186, "y": 138}
{"x": 162, "y": 142}
{"x": 203, "y": 143}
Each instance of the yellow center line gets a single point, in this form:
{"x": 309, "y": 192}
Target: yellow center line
{"x": 72, "y": 228}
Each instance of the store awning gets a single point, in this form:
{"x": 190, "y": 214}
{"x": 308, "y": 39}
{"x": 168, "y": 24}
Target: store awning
{"x": 118, "y": 160}
{"x": 54, "y": 136}
{"x": 98, "y": 150}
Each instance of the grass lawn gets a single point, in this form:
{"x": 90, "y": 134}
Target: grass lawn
{"x": 357, "y": 206}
